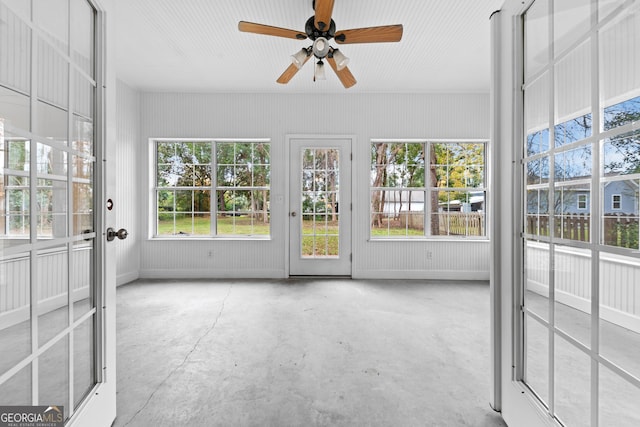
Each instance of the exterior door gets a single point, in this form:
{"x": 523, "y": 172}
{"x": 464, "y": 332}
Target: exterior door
{"x": 320, "y": 206}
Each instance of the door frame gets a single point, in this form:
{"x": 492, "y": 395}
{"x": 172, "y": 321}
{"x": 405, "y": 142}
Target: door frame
{"x": 287, "y": 201}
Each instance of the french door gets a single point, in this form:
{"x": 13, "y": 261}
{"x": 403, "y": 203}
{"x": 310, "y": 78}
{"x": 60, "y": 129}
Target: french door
{"x": 52, "y": 298}
{"x": 580, "y": 324}
{"x": 320, "y": 206}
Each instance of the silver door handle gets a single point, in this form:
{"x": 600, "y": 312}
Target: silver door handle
{"x": 120, "y": 234}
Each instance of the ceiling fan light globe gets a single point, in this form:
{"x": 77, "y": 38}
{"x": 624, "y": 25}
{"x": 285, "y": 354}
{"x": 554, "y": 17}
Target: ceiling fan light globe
{"x": 319, "y": 72}
{"x": 321, "y": 47}
{"x": 341, "y": 60}
{"x": 298, "y": 59}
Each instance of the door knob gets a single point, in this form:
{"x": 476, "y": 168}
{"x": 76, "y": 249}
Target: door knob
{"x": 293, "y": 213}
{"x": 120, "y": 234}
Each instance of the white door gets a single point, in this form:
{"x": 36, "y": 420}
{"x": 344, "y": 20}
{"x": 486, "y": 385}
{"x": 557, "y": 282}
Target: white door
{"x": 320, "y": 206}
{"x": 55, "y": 304}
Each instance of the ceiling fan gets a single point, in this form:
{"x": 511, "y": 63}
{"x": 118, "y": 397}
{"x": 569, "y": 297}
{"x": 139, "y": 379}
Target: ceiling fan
{"x": 320, "y": 28}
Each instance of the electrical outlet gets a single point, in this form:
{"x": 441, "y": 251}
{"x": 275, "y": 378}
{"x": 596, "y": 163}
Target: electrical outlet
{"x": 429, "y": 255}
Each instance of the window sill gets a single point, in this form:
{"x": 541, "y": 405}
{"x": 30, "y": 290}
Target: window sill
{"x": 209, "y": 238}
{"x": 429, "y": 239}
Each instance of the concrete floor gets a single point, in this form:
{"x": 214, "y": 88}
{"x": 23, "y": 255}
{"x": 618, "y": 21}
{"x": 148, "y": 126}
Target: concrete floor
{"x": 303, "y": 353}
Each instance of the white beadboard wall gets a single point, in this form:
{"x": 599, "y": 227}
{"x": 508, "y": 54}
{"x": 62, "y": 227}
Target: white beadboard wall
{"x": 127, "y": 201}
{"x": 274, "y": 116}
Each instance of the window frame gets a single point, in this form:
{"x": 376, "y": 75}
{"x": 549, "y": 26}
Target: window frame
{"x": 613, "y": 202}
{"x": 213, "y": 188}
{"x": 429, "y": 188}
{"x": 582, "y": 202}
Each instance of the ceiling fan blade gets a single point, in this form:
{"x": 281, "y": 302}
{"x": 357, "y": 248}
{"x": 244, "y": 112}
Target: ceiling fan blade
{"x": 345, "y": 76}
{"x": 251, "y": 27}
{"x": 322, "y": 19}
{"x": 290, "y": 72}
{"x": 386, "y": 33}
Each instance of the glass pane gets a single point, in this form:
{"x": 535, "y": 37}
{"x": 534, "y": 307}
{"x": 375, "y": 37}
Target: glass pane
{"x": 536, "y": 114}
{"x": 84, "y": 377}
{"x": 82, "y": 35}
{"x": 82, "y": 196}
{"x": 15, "y": 54}
{"x": 166, "y": 224}
{"x": 15, "y": 310}
{"x": 460, "y": 213}
{"x": 53, "y": 75}
{"x": 53, "y": 375}
{"x": 572, "y": 212}
{"x": 53, "y": 17}
{"x": 618, "y": 401}
{"x": 537, "y": 358}
{"x": 619, "y": 310}
{"x": 16, "y": 391}
{"x": 53, "y": 284}
{"x": 538, "y": 171}
{"x": 82, "y": 135}
{"x": 571, "y": 21}
{"x": 320, "y": 207}
{"x": 537, "y": 221}
{"x": 621, "y": 218}
{"x": 82, "y": 279}
{"x": 537, "y": 265}
{"x": 573, "y": 384}
{"x": 52, "y": 122}
{"x": 573, "y": 87}
{"x": 573, "y": 164}
{"x": 14, "y": 108}
{"x": 572, "y": 277}
{"x": 536, "y": 37}
{"x": 573, "y": 130}
{"x": 620, "y": 70}
{"x": 622, "y": 113}
{"x": 84, "y": 92}
{"x": 622, "y": 154}
{"x": 52, "y": 208}
{"x": 606, "y": 7}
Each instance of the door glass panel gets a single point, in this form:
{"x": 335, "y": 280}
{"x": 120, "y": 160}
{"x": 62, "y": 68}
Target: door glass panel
{"x": 572, "y": 384}
{"x": 537, "y": 348}
{"x": 15, "y": 310}
{"x": 82, "y": 279}
{"x": 618, "y": 401}
{"x": 83, "y": 360}
{"x": 537, "y": 278}
{"x": 53, "y": 375}
{"x": 537, "y": 37}
{"x": 82, "y": 35}
{"x": 320, "y": 203}
{"x": 52, "y": 278}
{"x": 16, "y": 391}
{"x": 620, "y": 311}
{"x": 14, "y": 108}
{"x": 572, "y": 281}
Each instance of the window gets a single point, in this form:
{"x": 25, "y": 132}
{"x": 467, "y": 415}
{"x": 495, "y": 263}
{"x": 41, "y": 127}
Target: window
{"x": 196, "y": 181}
{"x": 411, "y": 200}
{"x": 616, "y": 201}
{"x": 582, "y": 202}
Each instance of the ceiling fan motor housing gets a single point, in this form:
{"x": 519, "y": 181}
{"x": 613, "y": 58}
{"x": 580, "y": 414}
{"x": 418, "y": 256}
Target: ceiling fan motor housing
{"x": 313, "y": 33}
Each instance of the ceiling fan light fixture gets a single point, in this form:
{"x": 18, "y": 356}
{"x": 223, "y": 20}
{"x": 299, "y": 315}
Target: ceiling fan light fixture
{"x": 319, "y": 72}
{"x": 299, "y": 58}
{"x": 321, "y": 47}
{"x": 341, "y": 60}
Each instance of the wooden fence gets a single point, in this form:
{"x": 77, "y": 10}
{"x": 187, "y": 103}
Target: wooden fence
{"x": 617, "y": 230}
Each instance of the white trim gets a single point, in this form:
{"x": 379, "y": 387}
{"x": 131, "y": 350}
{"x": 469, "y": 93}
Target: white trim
{"x": 123, "y": 279}
{"x": 388, "y": 274}
{"x": 175, "y": 273}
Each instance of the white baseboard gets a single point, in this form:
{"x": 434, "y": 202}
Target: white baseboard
{"x": 174, "y": 273}
{"x": 123, "y": 279}
{"x": 421, "y": 274}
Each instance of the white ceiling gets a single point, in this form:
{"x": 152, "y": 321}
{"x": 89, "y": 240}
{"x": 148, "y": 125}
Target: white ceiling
{"x": 195, "y": 46}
